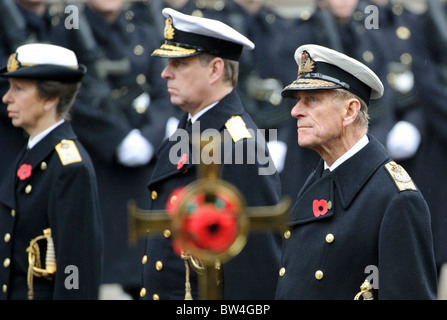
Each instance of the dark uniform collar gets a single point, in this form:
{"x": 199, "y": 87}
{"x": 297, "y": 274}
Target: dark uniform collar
{"x": 364, "y": 163}
{"x": 215, "y": 118}
{"x": 351, "y": 176}
{"x": 319, "y": 195}
{"x": 47, "y": 144}
{"x": 33, "y": 157}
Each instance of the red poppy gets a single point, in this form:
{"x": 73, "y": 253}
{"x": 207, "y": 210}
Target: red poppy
{"x": 182, "y": 161}
{"x": 320, "y": 207}
{"x": 24, "y": 171}
{"x": 211, "y": 228}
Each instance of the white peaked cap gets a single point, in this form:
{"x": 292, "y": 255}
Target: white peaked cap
{"x": 323, "y": 68}
{"x": 187, "y": 35}
{"x": 43, "y": 61}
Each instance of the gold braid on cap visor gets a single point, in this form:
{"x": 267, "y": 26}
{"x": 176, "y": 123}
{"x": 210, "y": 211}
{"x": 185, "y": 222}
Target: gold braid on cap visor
{"x": 310, "y": 83}
{"x": 173, "y": 51}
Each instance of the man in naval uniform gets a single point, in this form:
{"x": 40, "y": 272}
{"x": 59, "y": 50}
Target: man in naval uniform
{"x": 201, "y": 75}
{"x": 359, "y": 215}
{"x": 50, "y": 191}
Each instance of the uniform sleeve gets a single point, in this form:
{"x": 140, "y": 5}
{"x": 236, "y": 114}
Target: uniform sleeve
{"x": 407, "y": 267}
{"x": 77, "y": 231}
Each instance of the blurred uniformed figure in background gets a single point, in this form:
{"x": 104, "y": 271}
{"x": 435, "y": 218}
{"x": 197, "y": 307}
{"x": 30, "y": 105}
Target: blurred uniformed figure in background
{"x": 201, "y": 77}
{"x": 434, "y": 146}
{"x": 124, "y": 86}
{"x": 50, "y": 218}
{"x": 419, "y": 136}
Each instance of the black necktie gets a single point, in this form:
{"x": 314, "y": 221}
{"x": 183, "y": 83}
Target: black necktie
{"x": 325, "y": 172}
{"x": 188, "y": 125}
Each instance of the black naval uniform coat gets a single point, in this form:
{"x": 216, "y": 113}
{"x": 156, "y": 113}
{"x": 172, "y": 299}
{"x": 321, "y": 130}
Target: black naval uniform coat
{"x": 59, "y": 195}
{"x": 367, "y": 225}
{"x": 253, "y": 273}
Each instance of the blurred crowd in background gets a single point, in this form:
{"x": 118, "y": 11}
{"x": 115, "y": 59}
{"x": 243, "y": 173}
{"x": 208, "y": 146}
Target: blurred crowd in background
{"x": 123, "y": 110}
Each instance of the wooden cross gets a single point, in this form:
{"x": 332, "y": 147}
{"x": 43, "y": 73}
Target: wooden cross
{"x": 213, "y": 192}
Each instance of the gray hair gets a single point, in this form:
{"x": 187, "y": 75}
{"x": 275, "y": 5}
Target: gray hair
{"x": 363, "y": 117}
{"x": 231, "y": 70}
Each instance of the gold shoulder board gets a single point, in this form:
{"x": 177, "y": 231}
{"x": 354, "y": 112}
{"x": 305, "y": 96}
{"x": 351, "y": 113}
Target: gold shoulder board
{"x": 400, "y": 176}
{"x": 237, "y": 128}
{"x": 68, "y": 152}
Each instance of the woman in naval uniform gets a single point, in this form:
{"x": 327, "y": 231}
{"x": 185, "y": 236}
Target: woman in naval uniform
{"x": 49, "y": 214}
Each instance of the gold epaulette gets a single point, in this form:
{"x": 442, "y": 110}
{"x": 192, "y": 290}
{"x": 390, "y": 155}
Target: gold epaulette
{"x": 237, "y": 128}
{"x": 400, "y": 176}
{"x": 68, "y": 152}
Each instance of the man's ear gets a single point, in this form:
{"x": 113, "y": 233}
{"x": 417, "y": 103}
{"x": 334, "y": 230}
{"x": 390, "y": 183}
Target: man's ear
{"x": 352, "y": 109}
{"x": 217, "y": 67}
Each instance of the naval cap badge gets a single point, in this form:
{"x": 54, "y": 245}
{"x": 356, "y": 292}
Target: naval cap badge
{"x": 306, "y": 64}
{"x": 169, "y": 29}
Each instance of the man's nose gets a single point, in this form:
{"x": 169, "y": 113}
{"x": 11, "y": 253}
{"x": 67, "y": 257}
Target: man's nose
{"x": 297, "y": 110}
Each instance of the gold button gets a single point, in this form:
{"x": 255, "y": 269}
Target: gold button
{"x": 368, "y": 56}
{"x": 6, "y": 262}
{"x": 287, "y": 234}
{"x": 142, "y": 292}
{"x": 144, "y": 259}
{"x": 28, "y": 189}
{"x": 319, "y": 275}
{"x": 138, "y": 50}
{"x": 43, "y": 166}
{"x": 7, "y": 237}
{"x": 141, "y": 78}
{"x": 158, "y": 265}
{"x": 13, "y": 213}
{"x": 406, "y": 58}
{"x": 4, "y": 288}
{"x": 154, "y": 195}
{"x": 282, "y": 271}
{"x": 329, "y": 238}
{"x": 403, "y": 33}
{"x": 155, "y": 296}
{"x": 167, "y": 233}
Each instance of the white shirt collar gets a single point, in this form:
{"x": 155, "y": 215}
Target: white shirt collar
{"x": 35, "y": 140}
{"x": 201, "y": 112}
{"x": 356, "y": 148}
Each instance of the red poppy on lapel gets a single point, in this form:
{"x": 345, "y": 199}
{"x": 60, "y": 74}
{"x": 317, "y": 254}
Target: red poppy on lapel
{"x": 182, "y": 161}
{"x": 24, "y": 171}
{"x": 321, "y": 207}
